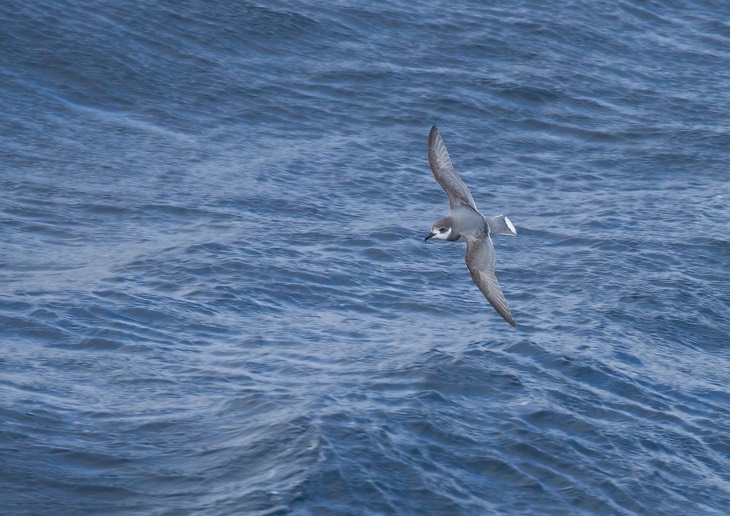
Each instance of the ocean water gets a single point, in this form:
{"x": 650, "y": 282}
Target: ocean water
{"x": 215, "y": 297}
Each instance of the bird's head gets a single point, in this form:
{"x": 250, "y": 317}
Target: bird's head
{"x": 440, "y": 230}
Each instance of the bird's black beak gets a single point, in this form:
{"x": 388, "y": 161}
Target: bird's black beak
{"x": 429, "y": 236}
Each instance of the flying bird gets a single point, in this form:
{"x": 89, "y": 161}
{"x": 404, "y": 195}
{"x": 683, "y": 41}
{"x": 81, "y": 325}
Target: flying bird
{"x": 465, "y": 223}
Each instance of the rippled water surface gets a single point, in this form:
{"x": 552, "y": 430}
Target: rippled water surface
{"x": 215, "y": 294}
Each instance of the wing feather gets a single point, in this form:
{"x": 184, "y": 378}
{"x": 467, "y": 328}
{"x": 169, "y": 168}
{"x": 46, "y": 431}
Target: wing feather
{"x": 444, "y": 173}
{"x": 481, "y": 263}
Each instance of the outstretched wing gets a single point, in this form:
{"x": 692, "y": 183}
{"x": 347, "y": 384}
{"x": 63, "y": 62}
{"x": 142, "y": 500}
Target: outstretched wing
{"x": 480, "y": 262}
{"x": 444, "y": 173}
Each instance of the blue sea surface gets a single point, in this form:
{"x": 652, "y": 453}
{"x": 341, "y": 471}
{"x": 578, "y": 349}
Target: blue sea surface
{"x": 215, "y": 297}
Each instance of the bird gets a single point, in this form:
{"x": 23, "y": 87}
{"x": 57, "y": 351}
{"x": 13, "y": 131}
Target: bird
{"x": 463, "y": 222}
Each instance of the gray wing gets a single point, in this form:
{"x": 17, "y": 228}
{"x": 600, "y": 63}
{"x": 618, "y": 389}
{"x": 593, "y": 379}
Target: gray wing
{"x": 444, "y": 173}
{"x": 480, "y": 262}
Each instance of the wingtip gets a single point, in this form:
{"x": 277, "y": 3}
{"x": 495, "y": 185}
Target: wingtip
{"x": 433, "y": 138}
{"x": 432, "y": 135}
{"x": 504, "y": 312}
{"x": 507, "y": 317}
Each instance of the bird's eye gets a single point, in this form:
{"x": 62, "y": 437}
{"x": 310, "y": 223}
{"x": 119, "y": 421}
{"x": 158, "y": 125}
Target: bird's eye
{"x": 442, "y": 230}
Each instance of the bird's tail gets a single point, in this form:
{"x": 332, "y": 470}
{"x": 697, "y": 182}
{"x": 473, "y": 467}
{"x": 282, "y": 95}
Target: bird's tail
{"x": 501, "y": 225}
